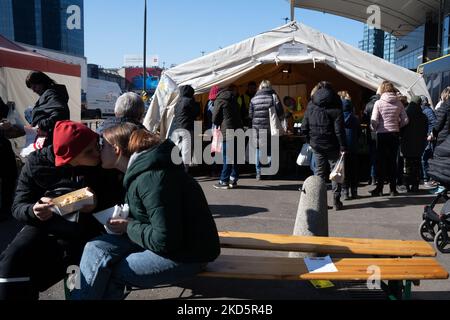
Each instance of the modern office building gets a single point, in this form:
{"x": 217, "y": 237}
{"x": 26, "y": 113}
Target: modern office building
{"x": 378, "y": 43}
{"x": 446, "y": 28}
{"x": 51, "y": 24}
{"x": 373, "y": 41}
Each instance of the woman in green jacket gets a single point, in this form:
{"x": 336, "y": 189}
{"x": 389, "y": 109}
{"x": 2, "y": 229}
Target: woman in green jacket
{"x": 170, "y": 233}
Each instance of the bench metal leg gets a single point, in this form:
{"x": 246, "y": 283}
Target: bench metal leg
{"x": 397, "y": 290}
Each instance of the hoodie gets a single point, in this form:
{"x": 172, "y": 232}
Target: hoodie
{"x": 323, "y": 123}
{"x": 414, "y": 135}
{"x": 388, "y": 114}
{"x": 226, "y": 113}
{"x": 186, "y": 109}
{"x": 170, "y": 211}
{"x": 51, "y": 107}
{"x": 352, "y": 126}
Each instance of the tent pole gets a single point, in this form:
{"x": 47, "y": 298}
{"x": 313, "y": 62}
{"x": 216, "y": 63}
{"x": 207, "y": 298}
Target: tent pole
{"x": 292, "y": 10}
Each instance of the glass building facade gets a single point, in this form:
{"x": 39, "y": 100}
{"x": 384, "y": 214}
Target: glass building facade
{"x": 43, "y": 23}
{"x": 446, "y": 29}
{"x": 6, "y": 19}
{"x": 378, "y": 43}
{"x": 373, "y": 41}
{"x": 409, "y": 50}
{"x": 389, "y": 47}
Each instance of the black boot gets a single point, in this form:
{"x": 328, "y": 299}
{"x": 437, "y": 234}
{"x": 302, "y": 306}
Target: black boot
{"x": 338, "y": 204}
{"x": 354, "y": 193}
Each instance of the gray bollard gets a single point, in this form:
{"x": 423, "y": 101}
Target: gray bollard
{"x": 312, "y": 212}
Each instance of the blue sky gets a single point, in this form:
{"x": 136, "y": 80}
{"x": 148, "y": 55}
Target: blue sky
{"x": 179, "y": 30}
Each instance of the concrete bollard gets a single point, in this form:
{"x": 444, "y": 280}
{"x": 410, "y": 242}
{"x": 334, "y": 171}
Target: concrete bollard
{"x": 312, "y": 212}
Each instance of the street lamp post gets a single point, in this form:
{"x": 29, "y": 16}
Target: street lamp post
{"x": 145, "y": 46}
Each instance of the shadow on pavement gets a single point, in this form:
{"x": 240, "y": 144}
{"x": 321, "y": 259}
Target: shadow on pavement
{"x": 392, "y": 202}
{"x": 228, "y": 211}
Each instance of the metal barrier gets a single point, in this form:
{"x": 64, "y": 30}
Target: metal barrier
{"x": 93, "y": 124}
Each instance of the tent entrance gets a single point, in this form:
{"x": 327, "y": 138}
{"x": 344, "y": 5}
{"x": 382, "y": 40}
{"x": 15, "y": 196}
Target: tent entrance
{"x": 297, "y": 81}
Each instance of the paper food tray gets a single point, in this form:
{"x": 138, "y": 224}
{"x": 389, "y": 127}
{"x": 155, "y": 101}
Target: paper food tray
{"x": 73, "y": 201}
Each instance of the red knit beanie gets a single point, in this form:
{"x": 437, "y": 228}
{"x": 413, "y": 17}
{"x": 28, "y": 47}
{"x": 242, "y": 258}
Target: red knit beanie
{"x": 69, "y": 140}
{"x": 213, "y": 93}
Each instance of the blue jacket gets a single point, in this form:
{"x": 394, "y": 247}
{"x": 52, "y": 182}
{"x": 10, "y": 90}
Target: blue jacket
{"x": 352, "y": 131}
{"x": 431, "y": 116}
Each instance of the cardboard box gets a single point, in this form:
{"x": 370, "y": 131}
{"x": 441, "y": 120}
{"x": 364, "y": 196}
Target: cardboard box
{"x": 73, "y": 201}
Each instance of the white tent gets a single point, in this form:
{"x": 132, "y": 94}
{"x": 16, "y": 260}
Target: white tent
{"x": 293, "y": 54}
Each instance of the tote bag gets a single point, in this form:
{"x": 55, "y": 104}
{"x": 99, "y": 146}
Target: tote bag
{"x": 275, "y": 124}
{"x": 338, "y": 174}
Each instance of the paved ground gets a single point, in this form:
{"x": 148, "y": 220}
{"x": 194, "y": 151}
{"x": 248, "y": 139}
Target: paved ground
{"x": 270, "y": 206}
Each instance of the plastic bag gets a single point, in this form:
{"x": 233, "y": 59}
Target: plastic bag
{"x": 120, "y": 212}
{"x": 216, "y": 145}
{"x": 338, "y": 174}
{"x": 304, "y": 158}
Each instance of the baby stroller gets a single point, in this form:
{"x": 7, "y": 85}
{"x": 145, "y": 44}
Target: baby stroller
{"x": 435, "y": 227}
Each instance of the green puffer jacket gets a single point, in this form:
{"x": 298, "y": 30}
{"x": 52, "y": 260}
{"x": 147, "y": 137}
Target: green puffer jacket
{"x": 172, "y": 216}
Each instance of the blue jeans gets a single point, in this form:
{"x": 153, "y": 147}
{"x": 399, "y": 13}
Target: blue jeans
{"x": 229, "y": 171}
{"x": 427, "y": 155}
{"x": 257, "y": 161}
{"x": 111, "y": 262}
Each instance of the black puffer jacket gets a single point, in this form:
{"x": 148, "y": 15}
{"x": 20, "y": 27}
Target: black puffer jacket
{"x": 323, "y": 123}
{"x": 259, "y": 108}
{"x": 226, "y": 112}
{"x": 186, "y": 110}
{"x": 51, "y": 107}
{"x": 442, "y": 128}
{"x": 440, "y": 164}
{"x": 414, "y": 135}
{"x": 367, "y": 115}
{"x": 40, "y": 175}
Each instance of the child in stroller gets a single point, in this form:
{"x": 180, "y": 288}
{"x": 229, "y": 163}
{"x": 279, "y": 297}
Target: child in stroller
{"x": 435, "y": 227}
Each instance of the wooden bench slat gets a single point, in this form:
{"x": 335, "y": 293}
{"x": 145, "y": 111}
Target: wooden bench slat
{"x": 325, "y": 245}
{"x": 282, "y": 268}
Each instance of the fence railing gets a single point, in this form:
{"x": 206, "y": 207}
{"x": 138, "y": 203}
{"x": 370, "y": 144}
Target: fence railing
{"x": 93, "y": 124}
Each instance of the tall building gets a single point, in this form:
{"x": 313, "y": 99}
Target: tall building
{"x": 51, "y": 24}
{"x": 373, "y": 41}
{"x": 446, "y": 29}
{"x": 378, "y": 43}
{"x": 6, "y": 19}
{"x": 389, "y": 47}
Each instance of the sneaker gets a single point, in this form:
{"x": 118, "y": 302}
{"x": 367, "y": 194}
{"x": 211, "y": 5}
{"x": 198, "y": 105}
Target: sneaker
{"x": 258, "y": 177}
{"x": 394, "y": 193}
{"x": 376, "y": 193}
{"x": 221, "y": 185}
{"x": 232, "y": 185}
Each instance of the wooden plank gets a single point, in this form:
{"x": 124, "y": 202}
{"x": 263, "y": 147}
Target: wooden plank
{"x": 326, "y": 245}
{"x": 283, "y": 268}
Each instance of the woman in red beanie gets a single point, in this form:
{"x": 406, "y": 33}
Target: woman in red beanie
{"x": 40, "y": 253}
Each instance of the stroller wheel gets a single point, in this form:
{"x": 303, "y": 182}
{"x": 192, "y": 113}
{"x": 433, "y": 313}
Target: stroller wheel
{"x": 428, "y": 230}
{"x": 441, "y": 241}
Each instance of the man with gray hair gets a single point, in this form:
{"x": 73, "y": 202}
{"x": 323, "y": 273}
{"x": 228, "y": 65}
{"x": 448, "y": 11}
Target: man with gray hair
{"x": 129, "y": 108}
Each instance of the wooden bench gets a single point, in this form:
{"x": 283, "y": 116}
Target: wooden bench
{"x": 410, "y": 261}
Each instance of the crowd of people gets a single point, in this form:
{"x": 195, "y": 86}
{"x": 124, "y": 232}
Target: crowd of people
{"x": 170, "y": 233}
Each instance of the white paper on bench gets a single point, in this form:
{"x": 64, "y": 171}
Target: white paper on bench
{"x": 320, "y": 265}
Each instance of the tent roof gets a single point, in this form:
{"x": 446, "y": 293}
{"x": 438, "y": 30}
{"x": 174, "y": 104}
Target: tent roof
{"x": 293, "y": 43}
{"x": 229, "y": 64}
{"x": 397, "y": 17}
{"x": 14, "y": 56}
